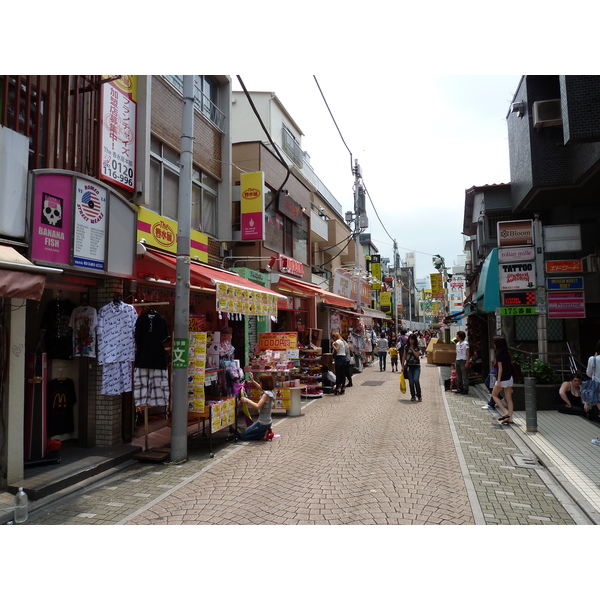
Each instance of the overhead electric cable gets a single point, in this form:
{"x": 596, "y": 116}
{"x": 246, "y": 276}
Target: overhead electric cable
{"x": 334, "y": 122}
{"x": 283, "y": 162}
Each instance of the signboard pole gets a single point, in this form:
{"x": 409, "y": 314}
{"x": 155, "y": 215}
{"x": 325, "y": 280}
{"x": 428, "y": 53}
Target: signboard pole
{"x": 542, "y": 305}
{"x": 179, "y": 401}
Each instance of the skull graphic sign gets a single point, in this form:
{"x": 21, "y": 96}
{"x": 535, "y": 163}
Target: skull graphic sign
{"x": 52, "y": 211}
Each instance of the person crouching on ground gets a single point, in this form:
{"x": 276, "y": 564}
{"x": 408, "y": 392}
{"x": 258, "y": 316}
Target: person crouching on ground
{"x": 262, "y": 426}
{"x": 569, "y": 401}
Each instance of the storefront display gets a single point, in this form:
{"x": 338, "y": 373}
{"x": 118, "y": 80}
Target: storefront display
{"x": 116, "y": 346}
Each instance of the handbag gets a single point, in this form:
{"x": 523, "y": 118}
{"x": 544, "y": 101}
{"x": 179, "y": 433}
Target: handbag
{"x": 352, "y": 360}
{"x": 402, "y": 382}
{"x": 590, "y": 390}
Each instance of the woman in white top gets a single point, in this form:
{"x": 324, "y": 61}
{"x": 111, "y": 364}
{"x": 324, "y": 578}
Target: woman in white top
{"x": 340, "y": 350}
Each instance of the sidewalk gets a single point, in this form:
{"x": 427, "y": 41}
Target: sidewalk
{"x": 563, "y": 445}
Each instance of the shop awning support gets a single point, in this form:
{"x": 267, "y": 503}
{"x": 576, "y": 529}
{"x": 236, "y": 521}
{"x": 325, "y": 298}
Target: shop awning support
{"x": 179, "y": 403}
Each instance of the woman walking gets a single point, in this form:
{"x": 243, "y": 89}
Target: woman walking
{"x": 340, "y": 349}
{"x": 411, "y": 362}
{"x": 504, "y": 380}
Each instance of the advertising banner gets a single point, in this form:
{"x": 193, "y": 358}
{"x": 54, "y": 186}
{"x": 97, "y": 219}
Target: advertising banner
{"x": 118, "y": 131}
{"x": 515, "y": 233}
{"x": 51, "y": 219}
{"x": 284, "y": 340}
{"x": 566, "y": 305}
{"x": 517, "y": 276}
{"x": 161, "y": 232}
{"x": 252, "y": 205}
{"x": 90, "y": 225}
{"x": 564, "y": 283}
{"x": 511, "y": 255}
{"x": 564, "y": 266}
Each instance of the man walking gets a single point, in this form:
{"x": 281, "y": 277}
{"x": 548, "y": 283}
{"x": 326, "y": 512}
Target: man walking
{"x": 462, "y": 357}
{"x": 382, "y": 348}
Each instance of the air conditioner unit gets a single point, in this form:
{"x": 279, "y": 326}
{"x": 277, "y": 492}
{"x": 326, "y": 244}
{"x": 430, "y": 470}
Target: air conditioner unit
{"x": 547, "y": 113}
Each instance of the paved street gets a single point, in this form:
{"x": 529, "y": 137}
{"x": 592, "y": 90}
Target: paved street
{"x": 368, "y": 457}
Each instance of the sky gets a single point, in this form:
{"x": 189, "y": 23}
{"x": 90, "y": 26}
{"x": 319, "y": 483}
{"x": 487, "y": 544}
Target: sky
{"x": 420, "y": 140}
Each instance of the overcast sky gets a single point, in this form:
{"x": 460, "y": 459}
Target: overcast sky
{"x": 421, "y": 141}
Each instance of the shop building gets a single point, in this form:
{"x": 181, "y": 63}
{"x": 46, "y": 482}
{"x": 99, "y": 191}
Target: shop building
{"x": 89, "y": 190}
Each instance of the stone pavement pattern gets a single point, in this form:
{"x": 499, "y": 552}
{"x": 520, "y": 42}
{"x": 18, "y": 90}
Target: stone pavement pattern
{"x": 368, "y": 457}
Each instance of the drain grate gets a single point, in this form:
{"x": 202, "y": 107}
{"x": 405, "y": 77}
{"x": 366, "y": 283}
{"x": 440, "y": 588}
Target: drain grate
{"x": 372, "y": 383}
{"x": 528, "y": 462}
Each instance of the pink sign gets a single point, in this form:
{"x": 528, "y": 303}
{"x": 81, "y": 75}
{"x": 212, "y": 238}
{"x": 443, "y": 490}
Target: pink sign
{"x": 566, "y": 305}
{"x": 51, "y": 219}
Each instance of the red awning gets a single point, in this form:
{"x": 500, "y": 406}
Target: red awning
{"x": 308, "y": 289}
{"x": 210, "y": 277}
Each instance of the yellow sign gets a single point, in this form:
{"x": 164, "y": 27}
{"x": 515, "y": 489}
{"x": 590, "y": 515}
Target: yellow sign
{"x": 252, "y": 205}
{"x": 278, "y": 341}
{"x": 385, "y": 300}
{"x": 376, "y": 273}
{"x": 161, "y": 232}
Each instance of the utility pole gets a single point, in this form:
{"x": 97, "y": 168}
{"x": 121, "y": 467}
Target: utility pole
{"x": 360, "y": 223}
{"x": 541, "y": 299}
{"x": 182, "y": 284}
{"x": 396, "y": 288}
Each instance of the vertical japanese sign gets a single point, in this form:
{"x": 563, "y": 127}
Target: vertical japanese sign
{"x": 376, "y": 271}
{"x": 252, "y": 205}
{"x": 51, "y": 219}
{"x": 90, "y": 225}
{"x": 118, "y": 131}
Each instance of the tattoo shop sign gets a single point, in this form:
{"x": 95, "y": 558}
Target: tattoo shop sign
{"x": 517, "y": 276}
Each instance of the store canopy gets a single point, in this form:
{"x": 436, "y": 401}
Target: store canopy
{"x": 20, "y": 278}
{"x": 376, "y": 314}
{"x": 487, "y": 296}
{"x": 308, "y": 289}
{"x": 231, "y": 289}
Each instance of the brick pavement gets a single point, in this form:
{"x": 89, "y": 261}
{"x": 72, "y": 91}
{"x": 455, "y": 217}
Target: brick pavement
{"x": 368, "y": 457}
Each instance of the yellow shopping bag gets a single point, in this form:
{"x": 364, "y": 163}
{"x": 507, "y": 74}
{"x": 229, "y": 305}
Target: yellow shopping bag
{"x": 402, "y": 382}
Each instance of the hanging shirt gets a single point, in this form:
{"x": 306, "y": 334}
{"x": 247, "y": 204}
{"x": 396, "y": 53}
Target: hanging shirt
{"x": 151, "y": 331}
{"x": 58, "y": 341}
{"x": 116, "y": 325}
{"x": 60, "y": 402}
{"x": 84, "y": 320}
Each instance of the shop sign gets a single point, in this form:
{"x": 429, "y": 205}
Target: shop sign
{"x": 51, "y": 219}
{"x": 161, "y": 232}
{"x": 566, "y": 305}
{"x": 289, "y": 265}
{"x": 118, "y": 131}
{"x": 564, "y": 283}
{"x": 515, "y": 233}
{"x": 252, "y": 205}
{"x": 517, "y": 311}
{"x": 278, "y": 340}
{"x": 517, "y": 276}
{"x": 564, "y": 266}
{"x": 180, "y": 353}
{"x": 290, "y": 208}
{"x": 518, "y": 298}
{"x": 385, "y": 300}
{"x": 90, "y": 225}
{"x": 376, "y": 271}
{"x": 509, "y": 255}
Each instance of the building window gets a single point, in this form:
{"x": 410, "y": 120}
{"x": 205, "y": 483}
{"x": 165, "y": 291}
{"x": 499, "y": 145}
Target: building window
{"x": 285, "y": 236}
{"x": 206, "y": 96}
{"x": 526, "y": 329}
{"x": 164, "y": 189}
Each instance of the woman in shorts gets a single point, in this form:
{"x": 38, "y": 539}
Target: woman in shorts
{"x": 504, "y": 380}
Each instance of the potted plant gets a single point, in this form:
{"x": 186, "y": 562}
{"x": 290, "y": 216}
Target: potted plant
{"x": 547, "y": 381}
